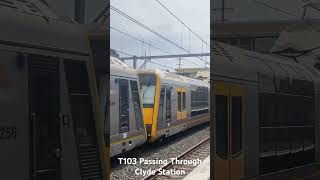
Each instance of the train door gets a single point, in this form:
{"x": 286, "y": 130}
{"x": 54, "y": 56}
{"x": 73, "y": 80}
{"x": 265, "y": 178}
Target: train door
{"x": 44, "y": 110}
{"x": 161, "y": 117}
{"x": 168, "y": 105}
{"x": 181, "y": 103}
{"x": 229, "y": 157}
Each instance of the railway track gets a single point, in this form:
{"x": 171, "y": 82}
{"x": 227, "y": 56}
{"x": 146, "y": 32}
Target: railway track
{"x": 201, "y": 151}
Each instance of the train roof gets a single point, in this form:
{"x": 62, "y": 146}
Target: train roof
{"x": 30, "y": 25}
{"x": 173, "y": 78}
{"x": 119, "y": 68}
{"x": 242, "y": 65}
{"x": 301, "y": 40}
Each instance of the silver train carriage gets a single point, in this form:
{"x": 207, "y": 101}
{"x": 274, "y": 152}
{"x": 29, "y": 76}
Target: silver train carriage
{"x": 172, "y": 103}
{"x": 266, "y": 115}
{"x": 48, "y": 99}
{"x": 127, "y": 129}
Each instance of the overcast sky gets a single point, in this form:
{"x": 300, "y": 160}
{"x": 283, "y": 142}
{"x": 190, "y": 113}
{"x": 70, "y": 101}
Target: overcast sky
{"x": 257, "y": 10}
{"x": 195, "y": 14}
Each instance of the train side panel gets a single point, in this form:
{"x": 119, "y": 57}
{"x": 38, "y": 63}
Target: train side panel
{"x": 124, "y": 140}
{"x": 14, "y": 134}
{"x": 250, "y": 131}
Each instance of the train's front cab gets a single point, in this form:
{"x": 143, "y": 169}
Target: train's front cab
{"x": 127, "y": 129}
{"x": 150, "y": 92}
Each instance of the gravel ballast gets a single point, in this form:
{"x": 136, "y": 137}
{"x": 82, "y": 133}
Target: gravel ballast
{"x": 171, "y": 149}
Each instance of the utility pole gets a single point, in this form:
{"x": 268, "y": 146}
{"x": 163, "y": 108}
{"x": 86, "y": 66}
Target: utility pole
{"x": 222, "y": 11}
{"x": 179, "y": 63}
{"x": 79, "y": 11}
{"x": 135, "y": 62}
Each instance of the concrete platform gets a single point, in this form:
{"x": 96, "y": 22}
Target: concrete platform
{"x": 201, "y": 172}
{"x": 307, "y": 172}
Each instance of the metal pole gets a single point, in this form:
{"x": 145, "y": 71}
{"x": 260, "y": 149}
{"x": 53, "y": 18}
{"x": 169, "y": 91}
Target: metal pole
{"x": 179, "y": 63}
{"x": 79, "y": 11}
{"x": 222, "y": 12}
{"x": 166, "y": 56}
{"x": 135, "y": 62}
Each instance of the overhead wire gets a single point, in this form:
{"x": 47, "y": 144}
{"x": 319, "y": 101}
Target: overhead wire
{"x": 121, "y": 52}
{"x": 161, "y": 65}
{"x": 140, "y": 40}
{"x": 149, "y": 29}
{"x": 151, "y": 45}
{"x": 166, "y": 8}
{"x": 184, "y": 24}
{"x": 275, "y": 8}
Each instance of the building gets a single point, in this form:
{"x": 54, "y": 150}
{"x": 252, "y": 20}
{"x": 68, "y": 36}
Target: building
{"x": 254, "y": 35}
{"x": 302, "y": 45}
{"x": 197, "y": 73}
{"x": 203, "y": 75}
{"x": 256, "y": 24}
{"x": 262, "y": 10}
{"x": 114, "y": 53}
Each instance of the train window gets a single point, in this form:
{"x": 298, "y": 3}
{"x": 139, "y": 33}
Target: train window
{"x": 266, "y": 77}
{"x": 236, "y": 126}
{"x": 184, "y": 102}
{"x": 179, "y": 101}
{"x": 282, "y": 111}
{"x": 199, "y": 101}
{"x": 286, "y": 127}
{"x": 161, "y": 107}
{"x": 123, "y": 105}
{"x": 168, "y": 104}
{"x": 267, "y": 110}
{"x": 148, "y": 89}
{"x": 303, "y": 87}
{"x": 281, "y": 77}
{"x": 136, "y": 104}
{"x": 222, "y": 126}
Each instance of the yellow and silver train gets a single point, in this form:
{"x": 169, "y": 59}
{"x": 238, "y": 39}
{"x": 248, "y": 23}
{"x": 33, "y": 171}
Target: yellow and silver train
{"x": 266, "y": 115}
{"x": 127, "y": 129}
{"x": 172, "y": 103}
{"x": 151, "y": 105}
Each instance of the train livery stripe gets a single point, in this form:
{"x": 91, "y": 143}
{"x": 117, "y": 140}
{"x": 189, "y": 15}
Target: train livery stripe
{"x": 183, "y": 122}
{"x": 127, "y": 139}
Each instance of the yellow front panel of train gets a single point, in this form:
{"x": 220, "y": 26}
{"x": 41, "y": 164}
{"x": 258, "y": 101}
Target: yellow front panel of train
{"x": 147, "y": 115}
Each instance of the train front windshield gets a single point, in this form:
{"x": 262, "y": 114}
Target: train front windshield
{"x": 148, "y": 89}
